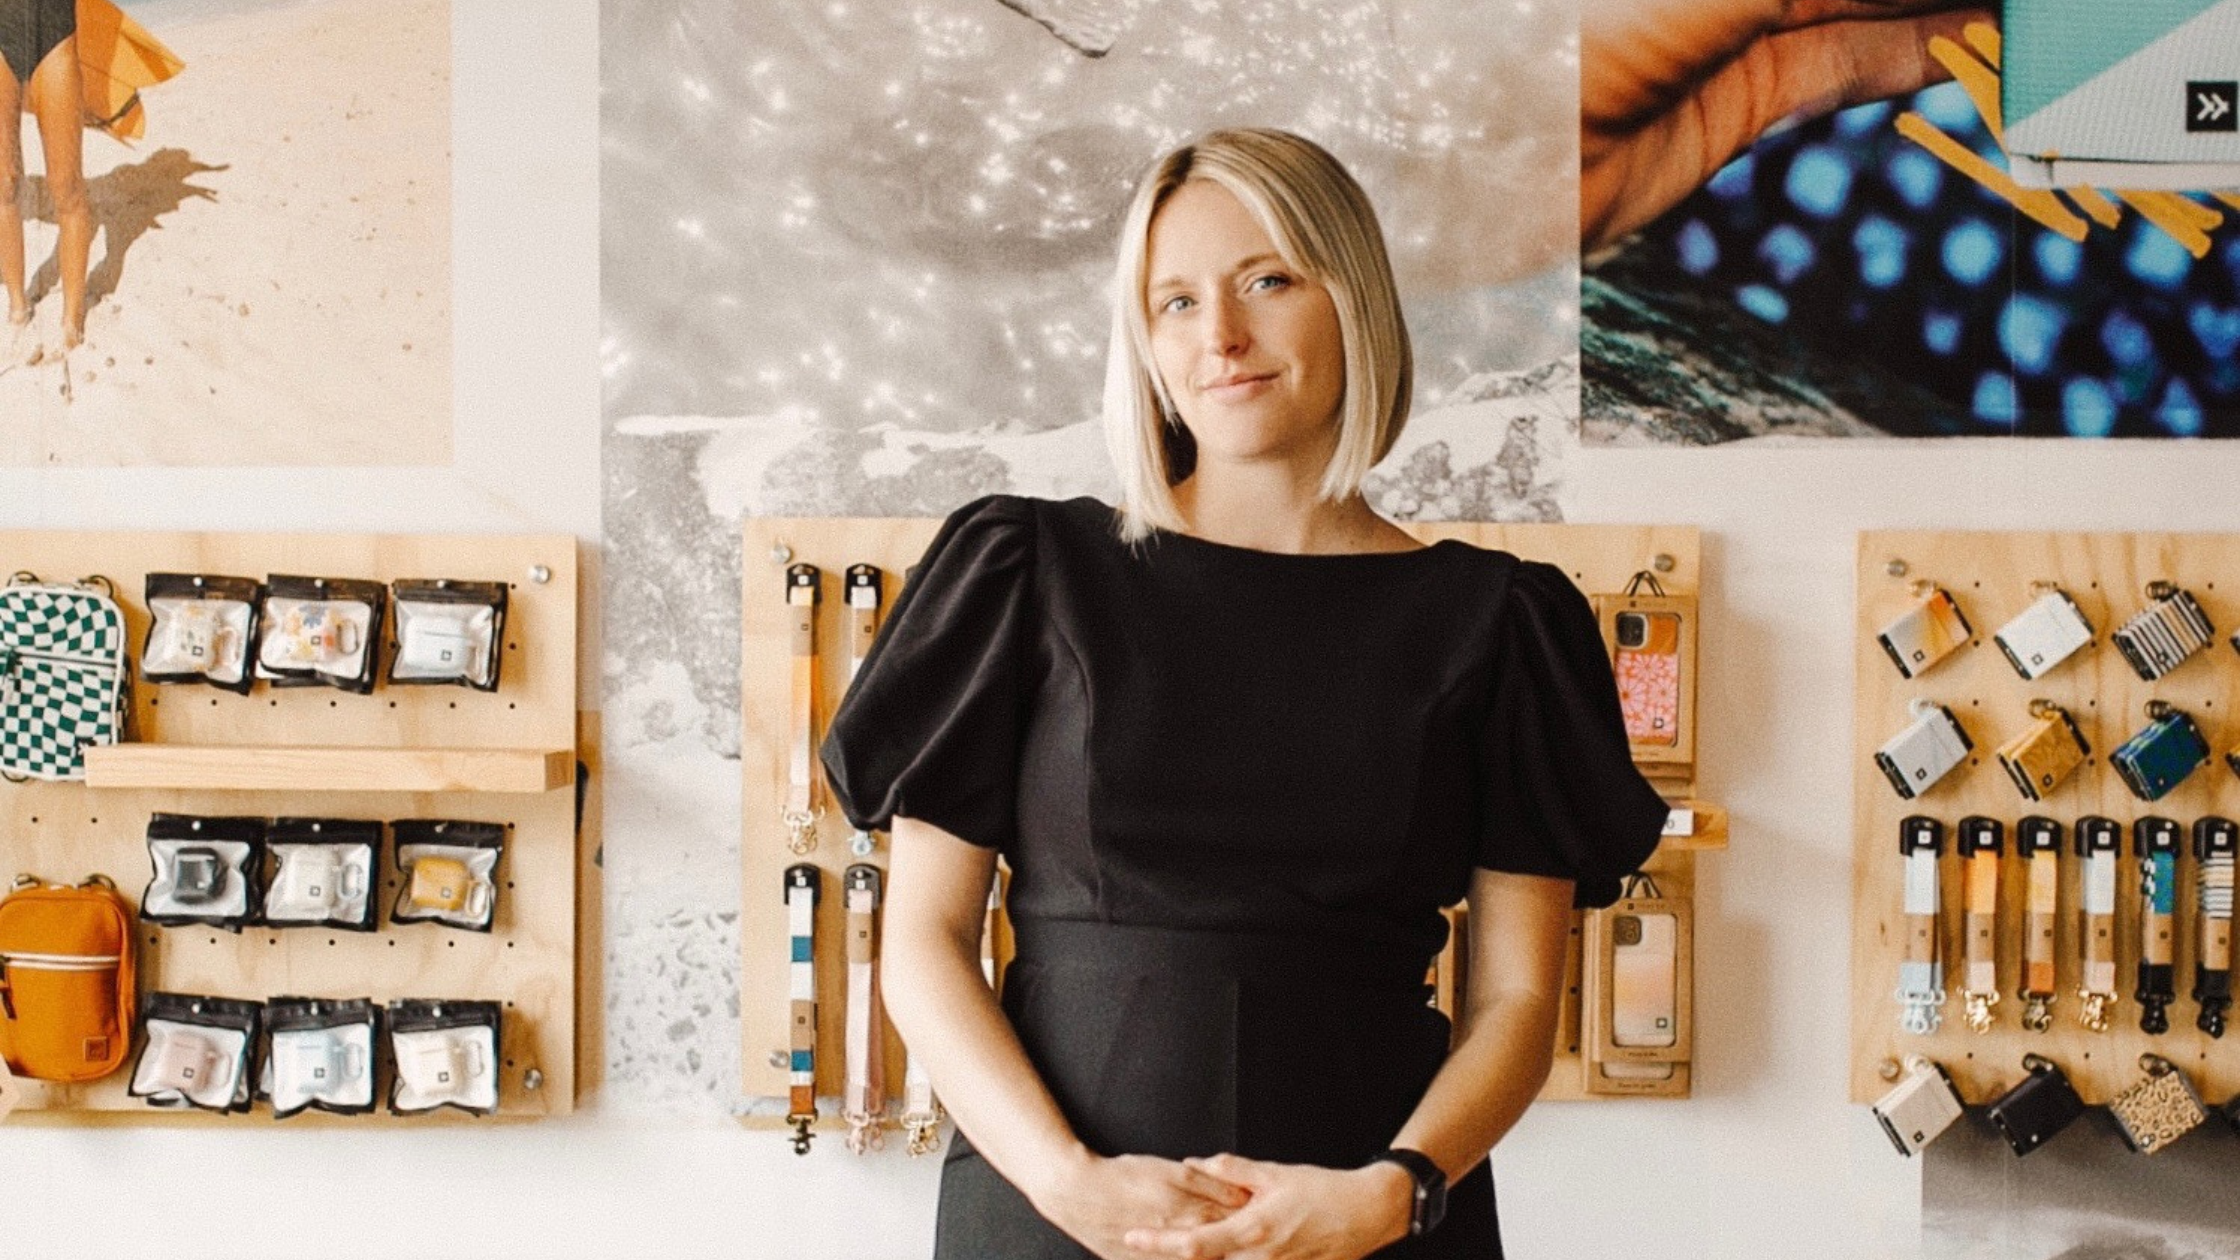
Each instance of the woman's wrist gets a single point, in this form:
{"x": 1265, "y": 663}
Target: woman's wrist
{"x": 1048, "y": 1181}
{"x": 1393, "y": 1190}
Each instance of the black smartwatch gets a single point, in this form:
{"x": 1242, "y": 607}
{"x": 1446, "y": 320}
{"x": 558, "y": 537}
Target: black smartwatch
{"x": 1431, "y": 1188}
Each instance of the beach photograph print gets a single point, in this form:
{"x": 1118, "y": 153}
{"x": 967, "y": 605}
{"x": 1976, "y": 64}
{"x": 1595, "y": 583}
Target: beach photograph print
{"x": 225, "y": 233}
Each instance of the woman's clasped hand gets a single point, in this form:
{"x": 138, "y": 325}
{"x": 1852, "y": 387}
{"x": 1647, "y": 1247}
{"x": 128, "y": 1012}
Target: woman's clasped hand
{"x": 1227, "y": 1207}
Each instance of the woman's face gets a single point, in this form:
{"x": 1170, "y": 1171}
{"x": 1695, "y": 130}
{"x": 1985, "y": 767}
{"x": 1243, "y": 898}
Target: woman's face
{"x": 1248, "y": 348}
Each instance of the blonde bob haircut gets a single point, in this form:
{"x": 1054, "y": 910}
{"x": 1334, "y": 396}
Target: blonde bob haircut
{"x": 1323, "y": 226}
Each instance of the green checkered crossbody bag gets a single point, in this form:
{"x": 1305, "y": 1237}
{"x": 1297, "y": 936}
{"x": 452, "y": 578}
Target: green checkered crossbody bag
{"x": 63, "y": 676}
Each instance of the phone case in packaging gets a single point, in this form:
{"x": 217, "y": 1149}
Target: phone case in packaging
{"x": 1638, "y": 969}
{"x": 1652, "y": 644}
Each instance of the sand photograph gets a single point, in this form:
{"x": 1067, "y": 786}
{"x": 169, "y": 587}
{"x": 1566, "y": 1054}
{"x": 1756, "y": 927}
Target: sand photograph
{"x": 242, "y": 248}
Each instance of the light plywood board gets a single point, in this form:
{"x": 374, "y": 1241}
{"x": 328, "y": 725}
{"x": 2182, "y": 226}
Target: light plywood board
{"x": 64, "y": 831}
{"x": 1990, "y": 575}
{"x": 1599, "y": 559}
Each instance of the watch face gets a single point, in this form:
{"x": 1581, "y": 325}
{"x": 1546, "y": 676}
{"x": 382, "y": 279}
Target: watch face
{"x": 1431, "y": 1204}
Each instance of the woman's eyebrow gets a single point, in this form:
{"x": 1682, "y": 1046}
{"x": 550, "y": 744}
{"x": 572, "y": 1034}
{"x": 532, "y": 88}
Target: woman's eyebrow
{"x": 1177, "y": 282}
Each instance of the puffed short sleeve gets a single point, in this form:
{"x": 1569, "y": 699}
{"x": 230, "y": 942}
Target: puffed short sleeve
{"x": 1562, "y": 797}
{"x": 930, "y": 727}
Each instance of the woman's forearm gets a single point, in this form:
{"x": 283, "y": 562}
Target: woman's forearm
{"x": 940, "y": 1003}
{"x": 1494, "y": 1072}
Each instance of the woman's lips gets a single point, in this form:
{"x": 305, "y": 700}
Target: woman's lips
{"x": 1239, "y": 388}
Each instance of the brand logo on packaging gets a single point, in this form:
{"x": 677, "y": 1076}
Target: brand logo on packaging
{"x": 2213, "y": 106}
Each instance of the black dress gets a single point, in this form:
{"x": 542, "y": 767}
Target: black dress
{"x": 1235, "y": 788}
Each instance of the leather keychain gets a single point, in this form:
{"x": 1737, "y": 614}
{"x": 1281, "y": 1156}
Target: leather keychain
{"x": 2041, "y": 1105}
{"x": 1982, "y": 844}
{"x": 2215, "y": 842}
{"x": 804, "y": 589}
{"x": 1920, "y": 1107}
{"x": 1921, "y": 975}
{"x": 2037, "y": 841}
{"x": 2099, "y": 846}
{"x": 2159, "y": 1109}
{"x": 804, "y": 888}
{"x": 2155, "y": 840}
{"x": 864, "y": 1095}
{"x": 864, "y": 589}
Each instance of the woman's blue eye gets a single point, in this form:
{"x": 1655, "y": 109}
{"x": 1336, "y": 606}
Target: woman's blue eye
{"x": 1173, "y": 304}
{"x": 1271, "y": 281}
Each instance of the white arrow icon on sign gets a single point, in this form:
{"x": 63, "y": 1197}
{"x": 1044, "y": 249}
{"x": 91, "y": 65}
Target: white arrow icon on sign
{"x": 2212, "y": 107}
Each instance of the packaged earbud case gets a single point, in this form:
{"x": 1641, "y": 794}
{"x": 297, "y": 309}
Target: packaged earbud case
{"x": 198, "y": 1052}
{"x": 201, "y": 629}
{"x": 324, "y": 872}
{"x": 449, "y": 632}
{"x": 206, "y": 871}
{"x": 324, "y": 631}
{"x": 450, "y": 872}
{"x": 446, "y": 1055}
{"x": 320, "y": 1055}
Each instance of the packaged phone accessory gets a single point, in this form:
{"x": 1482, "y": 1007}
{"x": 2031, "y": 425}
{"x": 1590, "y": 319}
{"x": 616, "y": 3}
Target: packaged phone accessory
{"x": 201, "y": 629}
{"x": 200, "y": 1053}
{"x": 446, "y": 1055}
{"x": 321, "y": 630}
{"x": 207, "y": 871}
{"x": 449, "y": 632}
{"x": 322, "y": 873}
{"x": 321, "y": 1055}
{"x": 450, "y": 872}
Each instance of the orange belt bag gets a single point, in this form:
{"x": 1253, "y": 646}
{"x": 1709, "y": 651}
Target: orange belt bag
{"x": 66, "y": 980}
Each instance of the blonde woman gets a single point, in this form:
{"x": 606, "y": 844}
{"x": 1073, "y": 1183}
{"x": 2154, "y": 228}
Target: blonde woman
{"x": 1239, "y": 739}
{"x": 38, "y": 41}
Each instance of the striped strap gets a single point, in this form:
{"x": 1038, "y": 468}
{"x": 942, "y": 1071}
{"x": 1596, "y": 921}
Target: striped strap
{"x": 804, "y": 886}
{"x": 863, "y": 587}
{"x": 2038, "y": 841}
{"x": 863, "y": 1101}
{"x": 804, "y": 585}
{"x": 2215, "y": 843}
{"x": 1982, "y": 844}
{"x": 1921, "y": 975}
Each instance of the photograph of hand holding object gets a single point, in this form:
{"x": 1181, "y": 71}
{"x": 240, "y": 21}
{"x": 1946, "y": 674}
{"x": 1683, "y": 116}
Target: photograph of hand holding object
{"x": 1761, "y": 256}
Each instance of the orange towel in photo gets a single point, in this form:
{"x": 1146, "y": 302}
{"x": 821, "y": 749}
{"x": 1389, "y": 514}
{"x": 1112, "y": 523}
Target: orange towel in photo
{"x": 117, "y": 58}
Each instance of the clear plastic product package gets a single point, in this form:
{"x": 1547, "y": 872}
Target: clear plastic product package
{"x": 324, "y": 872}
{"x": 446, "y": 1055}
{"x": 201, "y": 629}
{"x": 207, "y": 871}
{"x": 199, "y": 1052}
{"x": 450, "y": 872}
{"x": 449, "y": 632}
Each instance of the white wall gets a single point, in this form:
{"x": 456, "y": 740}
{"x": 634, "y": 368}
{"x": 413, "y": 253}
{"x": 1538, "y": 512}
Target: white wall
{"x": 1768, "y": 1160}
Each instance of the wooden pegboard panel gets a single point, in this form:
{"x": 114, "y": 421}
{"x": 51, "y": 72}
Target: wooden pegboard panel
{"x": 1990, "y": 575}
{"x": 63, "y": 831}
{"x": 1600, "y": 558}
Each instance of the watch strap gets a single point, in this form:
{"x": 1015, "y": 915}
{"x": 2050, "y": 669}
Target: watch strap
{"x": 1430, "y": 1205}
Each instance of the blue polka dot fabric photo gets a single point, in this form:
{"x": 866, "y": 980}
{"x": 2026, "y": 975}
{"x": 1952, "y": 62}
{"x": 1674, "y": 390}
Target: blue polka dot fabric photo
{"x": 1838, "y": 279}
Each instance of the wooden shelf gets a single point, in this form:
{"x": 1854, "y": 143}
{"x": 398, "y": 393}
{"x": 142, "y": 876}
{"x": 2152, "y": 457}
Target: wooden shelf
{"x": 211, "y": 767}
{"x": 1710, "y": 834}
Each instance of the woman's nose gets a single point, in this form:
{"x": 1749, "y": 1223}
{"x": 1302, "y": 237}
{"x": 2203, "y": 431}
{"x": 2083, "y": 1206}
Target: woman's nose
{"x": 1226, "y": 327}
